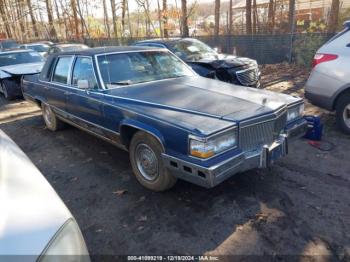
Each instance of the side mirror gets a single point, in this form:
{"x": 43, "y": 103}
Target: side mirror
{"x": 83, "y": 84}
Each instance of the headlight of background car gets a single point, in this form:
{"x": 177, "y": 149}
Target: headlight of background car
{"x": 68, "y": 245}
{"x": 295, "y": 112}
{"x": 213, "y": 146}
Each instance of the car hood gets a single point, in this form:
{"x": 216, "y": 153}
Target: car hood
{"x": 223, "y": 61}
{"x": 23, "y": 69}
{"x": 31, "y": 211}
{"x": 203, "y": 96}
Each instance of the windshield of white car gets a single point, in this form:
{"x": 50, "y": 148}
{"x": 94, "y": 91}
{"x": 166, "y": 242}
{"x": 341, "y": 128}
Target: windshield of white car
{"x": 188, "y": 49}
{"x": 15, "y": 58}
{"x": 138, "y": 67}
{"x": 39, "y": 48}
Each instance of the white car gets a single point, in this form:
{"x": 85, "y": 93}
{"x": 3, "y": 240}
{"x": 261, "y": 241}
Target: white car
{"x": 34, "y": 222}
{"x": 329, "y": 83}
{"x": 41, "y": 48}
{"x": 13, "y": 65}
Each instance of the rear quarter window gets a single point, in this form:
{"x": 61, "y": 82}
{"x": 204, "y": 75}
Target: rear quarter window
{"x": 62, "y": 69}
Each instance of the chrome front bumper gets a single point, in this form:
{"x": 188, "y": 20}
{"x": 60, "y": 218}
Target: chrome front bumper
{"x": 214, "y": 175}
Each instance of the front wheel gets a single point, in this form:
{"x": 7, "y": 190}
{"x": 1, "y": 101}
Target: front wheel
{"x": 146, "y": 161}
{"x": 8, "y": 87}
{"x": 343, "y": 113}
{"x": 51, "y": 121}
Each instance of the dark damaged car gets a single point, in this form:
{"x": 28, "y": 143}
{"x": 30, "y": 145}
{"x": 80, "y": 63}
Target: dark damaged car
{"x": 209, "y": 63}
{"x": 15, "y": 64}
{"x": 174, "y": 123}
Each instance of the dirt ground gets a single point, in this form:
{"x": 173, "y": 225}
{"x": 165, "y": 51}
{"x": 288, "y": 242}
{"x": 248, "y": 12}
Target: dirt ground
{"x": 300, "y": 206}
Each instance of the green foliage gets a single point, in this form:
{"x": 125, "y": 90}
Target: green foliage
{"x": 305, "y": 47}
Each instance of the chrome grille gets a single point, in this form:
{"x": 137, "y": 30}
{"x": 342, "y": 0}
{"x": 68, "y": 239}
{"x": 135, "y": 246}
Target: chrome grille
{"x": 254, "y": 136}
{"x": 248, "y": 76}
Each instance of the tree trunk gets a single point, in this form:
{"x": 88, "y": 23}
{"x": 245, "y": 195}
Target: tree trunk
{"x": 333, "y": 17}
{"x": 165, "y": 19}
{"x": 159, "y": 19}
{"x": 75, "y": 17}
{"x": 32, "y": 17}
{"x": 291, "y": 15}
{"x": 106, "y": 19}
{"x": 82, "y": 21}
{"x": 52, "y": 29}
{"x": 123, "y": 15}
{"x": 230, "y": 19}
{"x": 217, "y": 18}
{"x": 4, "y": 19}
{"x": 255, "y": 17}
{"x": 248, "y": 17}
{"x": 114, "y": 18}
{"x": 184, "y": 18}
{"x": 271, "y": 17}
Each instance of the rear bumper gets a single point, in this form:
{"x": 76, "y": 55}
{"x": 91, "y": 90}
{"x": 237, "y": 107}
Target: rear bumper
{"x": 319, "y": 100}
{"x": 214, "y": 175}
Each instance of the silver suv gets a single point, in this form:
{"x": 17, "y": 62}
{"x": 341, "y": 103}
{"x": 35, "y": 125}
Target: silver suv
{"x": 329, "y": 83}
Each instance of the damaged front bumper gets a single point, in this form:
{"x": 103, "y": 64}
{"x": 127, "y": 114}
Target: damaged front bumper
{"x": 214, "y": 175}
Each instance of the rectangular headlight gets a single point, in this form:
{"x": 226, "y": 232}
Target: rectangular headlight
{"x": 295, "y": 112}
{"x": 214, "y": 145}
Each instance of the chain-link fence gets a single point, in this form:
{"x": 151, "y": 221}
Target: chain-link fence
{"x": 266, "y": 49}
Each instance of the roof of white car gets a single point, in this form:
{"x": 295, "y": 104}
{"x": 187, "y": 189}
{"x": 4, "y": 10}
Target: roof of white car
{"x": 11, "y": 51}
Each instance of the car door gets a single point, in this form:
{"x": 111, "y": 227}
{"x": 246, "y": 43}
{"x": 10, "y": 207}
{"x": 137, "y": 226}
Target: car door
{"x": 84, "y": 105}
{"x": 58, "y": 86}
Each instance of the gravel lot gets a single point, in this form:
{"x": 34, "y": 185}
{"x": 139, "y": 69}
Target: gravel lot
{"x": 300, "y": 206}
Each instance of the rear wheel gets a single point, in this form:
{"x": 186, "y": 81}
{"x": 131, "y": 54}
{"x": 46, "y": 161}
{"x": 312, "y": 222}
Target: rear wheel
{"x": 145, "y": 157}
{"x": 51, "y": 121}
{"x": 343, "y": 113}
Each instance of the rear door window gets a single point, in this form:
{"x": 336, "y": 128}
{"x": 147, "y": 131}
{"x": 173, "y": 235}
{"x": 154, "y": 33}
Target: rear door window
{"x": 83, "y": 70}
{"x": 62, "y": 70}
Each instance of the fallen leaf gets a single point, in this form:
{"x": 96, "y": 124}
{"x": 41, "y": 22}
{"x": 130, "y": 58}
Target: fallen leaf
{"x": 120, "y": 192}
{"x": 75, "y": 178}
{"x": 98, "y": 230}
{"x": 141, "y": 199}
{"x": 140, "y": 228}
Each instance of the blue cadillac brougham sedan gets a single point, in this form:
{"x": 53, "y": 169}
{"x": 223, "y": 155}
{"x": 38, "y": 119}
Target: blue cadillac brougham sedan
{"x": 174, "y": 123}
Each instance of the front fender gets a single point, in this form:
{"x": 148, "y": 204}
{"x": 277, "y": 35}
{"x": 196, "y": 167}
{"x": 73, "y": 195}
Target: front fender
{"x": 143, "y": 127}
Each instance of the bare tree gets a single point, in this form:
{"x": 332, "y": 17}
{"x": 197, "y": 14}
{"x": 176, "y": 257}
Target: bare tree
{"x": 271, "y": 16}
{"x": 248, "y": 16}
{"x": 165, "y": 19}
{"x": 52, "y": 29}
{"x": 106, "y": 19}
{"x": 255, "y": 17}
{"x": 291, "y": 15}
{"x": 73, "y": 4}
{"x": 159, "y": 18}
{"x": 32, "y": 17}
{"x": 333, "y": 17}
{"x": 184, "y": 19}
{"x": 5, "y": 19}
{"x": 217, "y": 18}
{"x": 230, "y": 18}
{"x": 123, "y": 6}
{"x": 114, "y": 18}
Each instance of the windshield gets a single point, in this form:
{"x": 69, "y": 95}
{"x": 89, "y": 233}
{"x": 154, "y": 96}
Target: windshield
{"x": 190, "y": 48}
{"x": 39, "y": 48}
{"x": 137, "y": 67}
{"x": 8, "y": 44}
{"x": 19, "y": 58}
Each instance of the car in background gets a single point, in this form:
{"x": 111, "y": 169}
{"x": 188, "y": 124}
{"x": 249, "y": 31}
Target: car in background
{"x": 41, "y": 48}
{"x": 174, "y": 123}
{"x": 209, "y": 63}
{"x": 7, "y": 44}
{"x": 13, "y": 65}
{"x": 35, "y": 223}
{"x": 329, "y": 83}
{"x": 58, "y": 48}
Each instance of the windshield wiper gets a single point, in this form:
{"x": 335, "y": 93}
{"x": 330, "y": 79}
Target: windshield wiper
{"x": 122, "y": 83}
